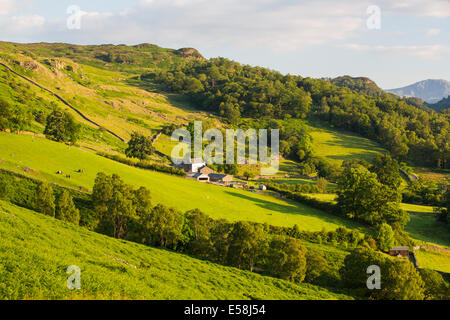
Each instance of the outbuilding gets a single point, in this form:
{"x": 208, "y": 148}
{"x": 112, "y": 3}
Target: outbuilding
{"x": 201, "y": 177}
{"x": 221, "y": 178}
{"x": 402, "y": 252}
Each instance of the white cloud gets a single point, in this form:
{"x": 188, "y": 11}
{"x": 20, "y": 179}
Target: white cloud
{"x": 269, "y": 24}
{"x": 280, "y": 25}
{"x": 7, "y": 6}
{"x": 429, "y": 52}
{"x": 27, "y": 22}
{"x": 430, "y": 8}
{"x": 433, "y": 32}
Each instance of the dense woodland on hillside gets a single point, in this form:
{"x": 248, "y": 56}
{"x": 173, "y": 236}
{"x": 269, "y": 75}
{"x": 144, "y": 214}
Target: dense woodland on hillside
{"x": 234, "y": 91}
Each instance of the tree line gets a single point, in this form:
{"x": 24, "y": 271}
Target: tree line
{"x": 233, "y": 91}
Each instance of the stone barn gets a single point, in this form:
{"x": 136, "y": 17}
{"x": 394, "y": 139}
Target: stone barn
{"x": 402, "y": 252}
{"x": 221, "y": 178}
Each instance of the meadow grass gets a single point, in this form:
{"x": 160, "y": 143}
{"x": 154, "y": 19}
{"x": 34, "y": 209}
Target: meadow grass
{"x": 439, "y": 261}
{"x": 338, "y": 146}
{"x": 36, "y": 250}
{"x": 48, "y": 157}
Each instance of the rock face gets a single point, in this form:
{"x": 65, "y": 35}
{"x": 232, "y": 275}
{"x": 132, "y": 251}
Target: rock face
{"x": 190, "y": 53}
{"x": 431, "y": 91}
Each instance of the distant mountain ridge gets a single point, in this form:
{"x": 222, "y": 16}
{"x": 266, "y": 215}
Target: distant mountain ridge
{"x": 431, "y": 91}
{"x": 441, "y": 105}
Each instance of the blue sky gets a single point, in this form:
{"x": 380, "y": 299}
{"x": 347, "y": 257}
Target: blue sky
{"x": 320, "y": 38}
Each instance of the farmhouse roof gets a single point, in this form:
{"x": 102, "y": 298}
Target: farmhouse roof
{"x": 218, "y": 175}
{"x": 200, "y": 175}
{"x": 400, "y": 248}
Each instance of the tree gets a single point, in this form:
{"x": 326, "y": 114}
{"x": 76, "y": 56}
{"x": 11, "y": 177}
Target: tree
{"x": 197, "y": 231}
{"x": 316, "y": 265}
{"x": 447, "y": 201}
{"x": 164, "y": 227}
{"x": 66, "y": 210}
{"x": 5, "y": 114}
{"x": 18, "y": 119}
{"x": 247, "y": 244}
{"x": 230, "y": 112}
{"x": 61, "y": 127}
{"x": 436, "y": 288}
{"x": 248, "y": 175}
{"x": 286, "y": 259}
{"x": 385, "y": 237}
{"x": 44, "y": 200}
{"x": 220, "y": 233}
{"x": 401, "y": 281}
{"x": 361, "y": 196}
{"x": 322, "y": 185}
{"x": 139, "y": 146}
{"x": 142, "y": 202}
{"x": 399, "y": 278}
{"x": 387, "y": 170}
{"x": 113, "y": 202}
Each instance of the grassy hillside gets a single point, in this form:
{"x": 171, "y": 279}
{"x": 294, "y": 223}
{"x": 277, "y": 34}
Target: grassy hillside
{"x": 45, "y": 158}
{"x": 108, "y": 93}
{"x": 35, "y": 252}
{"x": 338, "y": 146}
{"x": 439, "y": 261}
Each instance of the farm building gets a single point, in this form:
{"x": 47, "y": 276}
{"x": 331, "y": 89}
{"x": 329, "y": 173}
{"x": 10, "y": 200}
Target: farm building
{"x": 201, "y": 177}
{"x": 402, "y": 252}
{"x": 206, "y": 170}
{"x": 194, "y": 166}
{"x": 221, "y": 178}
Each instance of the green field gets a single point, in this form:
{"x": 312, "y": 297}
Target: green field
{"x": 439, "y": 261}
{"x": 46, "y": 158}
{"x": 338, "y": 146}
{"x": 35, "y": 252}
{"x": 424, "y": 227}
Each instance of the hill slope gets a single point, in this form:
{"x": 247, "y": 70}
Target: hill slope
{"x": 45, "y": 158}
{"x": 431, "y": 91}
{"x": 35, "y": 252}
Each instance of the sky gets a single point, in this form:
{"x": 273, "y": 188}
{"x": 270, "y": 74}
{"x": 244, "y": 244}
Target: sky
{"x": 393, "y": 42}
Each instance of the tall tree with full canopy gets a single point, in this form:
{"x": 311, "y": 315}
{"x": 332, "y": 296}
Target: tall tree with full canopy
{"x": 139, "y": 146}
{"x": 247, "y": 243}
{"x": 61, "y": 127}
{"x": 286, "y": 259}
{"x": 361, "y": 196}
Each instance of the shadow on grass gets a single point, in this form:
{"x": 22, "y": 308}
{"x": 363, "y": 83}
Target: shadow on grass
{"x": 424, "y": 227}
{"x": 296, "y": 208}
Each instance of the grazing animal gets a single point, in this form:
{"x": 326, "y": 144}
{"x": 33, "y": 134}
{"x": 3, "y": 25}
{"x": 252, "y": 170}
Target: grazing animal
{"x": 59, "y": 172}
{"x": 68, "y": 176}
